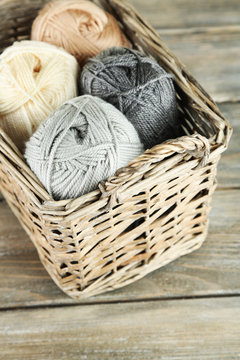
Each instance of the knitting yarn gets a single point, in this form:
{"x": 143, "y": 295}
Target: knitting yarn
{"x": 82, "y": 143}
{"x": 35, "y": 79}
{"x": 79, "y": 26}
{"x": 139, "y": 87}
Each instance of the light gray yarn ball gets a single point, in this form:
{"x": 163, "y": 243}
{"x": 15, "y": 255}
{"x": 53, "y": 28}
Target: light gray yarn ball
{"x": 81, "y": 144}
{"x": 139, "y": 87}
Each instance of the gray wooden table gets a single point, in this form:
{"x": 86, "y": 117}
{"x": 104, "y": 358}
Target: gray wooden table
{"x": 190, "y": 309}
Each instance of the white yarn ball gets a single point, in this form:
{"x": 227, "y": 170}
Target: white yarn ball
{"x": 81, "y": 144}
{"x": 35, "y": 79}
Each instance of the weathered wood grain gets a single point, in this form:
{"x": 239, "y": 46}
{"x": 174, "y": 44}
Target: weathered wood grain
{"x": 212, "y": 56}
{"x": 205, "y": 35}
{"x": 213, "y": 269}
{"x": 177, "y": 330}
{"x": 185, "y": 13}
{"x": 229, "y": 167}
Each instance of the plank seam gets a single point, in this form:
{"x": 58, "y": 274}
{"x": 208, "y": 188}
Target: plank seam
{"x": 129, "y": 301}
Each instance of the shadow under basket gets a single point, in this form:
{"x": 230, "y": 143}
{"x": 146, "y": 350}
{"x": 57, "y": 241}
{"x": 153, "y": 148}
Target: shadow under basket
{"x": 149, "y": 213}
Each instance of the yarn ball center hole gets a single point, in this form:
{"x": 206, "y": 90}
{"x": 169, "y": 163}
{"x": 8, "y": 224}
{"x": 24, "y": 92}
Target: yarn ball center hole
{"x": 86, "y": 24}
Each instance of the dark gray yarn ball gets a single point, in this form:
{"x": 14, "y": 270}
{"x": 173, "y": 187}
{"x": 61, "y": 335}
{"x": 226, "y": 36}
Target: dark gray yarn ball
{"x": 139, "y": 87}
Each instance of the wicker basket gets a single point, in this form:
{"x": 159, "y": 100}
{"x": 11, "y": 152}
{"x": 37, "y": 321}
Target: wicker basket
{"x": 148, "y": 214}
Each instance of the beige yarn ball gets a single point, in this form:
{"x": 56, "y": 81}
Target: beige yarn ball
{"x": 79, "y": 26}
{"x": 35, "y": 79}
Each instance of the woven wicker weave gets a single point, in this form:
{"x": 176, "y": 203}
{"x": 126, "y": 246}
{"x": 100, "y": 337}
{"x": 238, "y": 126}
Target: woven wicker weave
{"x": 150, "y": 213}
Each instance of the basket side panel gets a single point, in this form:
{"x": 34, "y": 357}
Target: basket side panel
{"x": 158, "y": 220}
{"x": 16, "y": 19}
{"x": 20, "y": 199}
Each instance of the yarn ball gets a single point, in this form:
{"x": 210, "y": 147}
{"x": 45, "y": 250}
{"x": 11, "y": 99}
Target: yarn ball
{"x": 81, "y": 144}
{"x": 35, "y": 79}
{"x": 79, "y": 26}
{"x": 139, "y": 87}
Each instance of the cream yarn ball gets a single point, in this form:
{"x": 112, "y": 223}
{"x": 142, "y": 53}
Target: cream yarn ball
{"x": 81, "y": 144}
{"x": 35, "y": 79}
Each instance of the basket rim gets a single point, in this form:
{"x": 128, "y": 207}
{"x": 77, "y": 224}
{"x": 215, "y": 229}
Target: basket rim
{"x": 195, "y": 146}
{"x": 181, "y": 75}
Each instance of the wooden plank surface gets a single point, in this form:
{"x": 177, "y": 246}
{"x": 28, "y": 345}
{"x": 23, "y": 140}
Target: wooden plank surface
{"x": 228, "y": 174}
{"x": 191, "y": 307}
{"x": 185, "y": 13}
{"x": 212, "y": 56}
{"x": 196, "y": 329}
{"x": 212, "y": 270}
